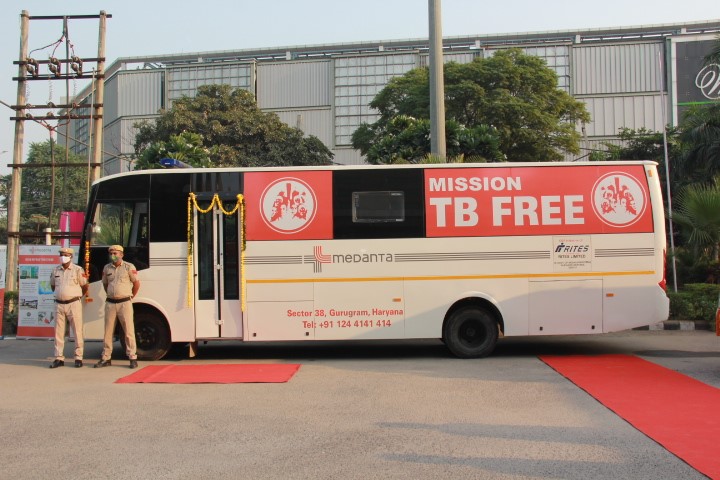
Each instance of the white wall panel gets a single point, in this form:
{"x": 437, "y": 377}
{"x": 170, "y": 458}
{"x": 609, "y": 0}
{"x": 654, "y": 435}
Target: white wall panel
{"x": 609, "y": 114}
{"x": 318, "y": 122}
{"x": 459, "y": 57}
{"x": 589, "y": 145}
{"x": 141, "y": 92}
{"x": 627, "y": 68}
{"x": 293, "y": 84}
{"x": 110, "y": 100}
{"x": 119, "y": 138}
{"x": 348, "y": 156}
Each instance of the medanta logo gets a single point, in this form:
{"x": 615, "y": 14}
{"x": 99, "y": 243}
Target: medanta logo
{"x": 319, "y": 258}
{"x": 618, "y": 199}
{"x": 288, "y": 205}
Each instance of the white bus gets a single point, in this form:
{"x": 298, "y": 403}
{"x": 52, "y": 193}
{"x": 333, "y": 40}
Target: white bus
{"x": 465, "y": 253}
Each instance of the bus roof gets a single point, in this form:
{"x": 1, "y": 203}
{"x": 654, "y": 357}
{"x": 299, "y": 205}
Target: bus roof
{"x": 171, "y": 171}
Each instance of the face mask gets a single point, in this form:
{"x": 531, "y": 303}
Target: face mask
{"x": 65, "y": 259}
{"x": 114, "y": 258}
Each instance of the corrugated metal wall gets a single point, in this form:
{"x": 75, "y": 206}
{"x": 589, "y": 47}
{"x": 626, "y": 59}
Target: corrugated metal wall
{"x": 119, "y": 137}
{"x": 318, "y": 122}
{"x": 347, "y": 156}
{"x": 609, "y": 114}
{"x": 142, "y": 93}
{"x": 133, "y": 93}
{"x": 604, "y": 69}
{"x": 587, "y": 146}
{"x": 329, "y": 97}
{"x": 294, "y": 84}
{"x": 110, "y": 104}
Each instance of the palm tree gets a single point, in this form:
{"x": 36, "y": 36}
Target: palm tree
{"x": 701, "y": 139}
{"x": 698, "y": 215}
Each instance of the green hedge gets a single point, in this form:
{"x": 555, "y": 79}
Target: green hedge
{"x": 696, "y": 301}
{"x": 10, "y": 319}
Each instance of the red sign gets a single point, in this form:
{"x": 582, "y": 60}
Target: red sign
{"x": 288, "y": 205}
{"x": 547, "y": 200}
{"x": 71, "y": 222}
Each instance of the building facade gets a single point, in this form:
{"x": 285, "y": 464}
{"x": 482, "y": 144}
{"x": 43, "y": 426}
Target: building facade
{"x": 633, "y": 77}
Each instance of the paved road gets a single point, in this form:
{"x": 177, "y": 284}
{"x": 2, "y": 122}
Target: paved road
{"x": 365, "y": 411}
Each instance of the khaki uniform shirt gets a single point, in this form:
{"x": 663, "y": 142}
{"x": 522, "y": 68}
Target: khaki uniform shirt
{"x": 67, "y": 282}
{"x": 119, "y": 280}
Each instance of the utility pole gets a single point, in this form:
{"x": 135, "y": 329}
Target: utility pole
{"x": 29, "y": 70}
{"x": 13, "y": 241}
{"x": 100, "y": 94}
{"x": 437, "y": 82}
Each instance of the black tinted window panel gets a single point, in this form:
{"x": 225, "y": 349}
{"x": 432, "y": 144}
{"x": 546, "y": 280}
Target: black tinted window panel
{"x": 131, "y": 187}
{"x": 409, "y": 182}
{"x": 168, "y": 207}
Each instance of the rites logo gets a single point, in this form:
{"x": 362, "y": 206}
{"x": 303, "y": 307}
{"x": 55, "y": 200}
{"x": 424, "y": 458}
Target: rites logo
{"x": 288, "y": 205}
{"x": 618, "y": 199}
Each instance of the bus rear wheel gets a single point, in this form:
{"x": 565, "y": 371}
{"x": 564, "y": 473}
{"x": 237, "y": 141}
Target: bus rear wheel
{"x": 152, "y": 336}
{"x": 471, "y": 332}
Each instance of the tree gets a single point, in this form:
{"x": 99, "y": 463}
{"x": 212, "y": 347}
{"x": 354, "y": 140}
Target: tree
{"x": 406, "y": 139}
{"x": 231, "y": 129}
{"x": 698, "y": 214}
{"x": 70, "y": 185}
{"x": 514, "y": 94}
{"x": 644, "y": 144}
{"x": 186, "y": 147}
{"x": 701, "y": 139}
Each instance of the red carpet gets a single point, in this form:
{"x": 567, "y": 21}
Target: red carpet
{"x": 678, "y": 412}
{"x": 243, "y": 373}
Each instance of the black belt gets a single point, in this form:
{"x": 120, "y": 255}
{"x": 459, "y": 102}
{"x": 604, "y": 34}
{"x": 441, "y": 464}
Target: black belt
{"x": 65, "y": 302}
{"x": 118, "y": 300}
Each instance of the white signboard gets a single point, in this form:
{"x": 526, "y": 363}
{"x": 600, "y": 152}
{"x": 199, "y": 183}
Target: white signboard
{"x": 36, "y": 314}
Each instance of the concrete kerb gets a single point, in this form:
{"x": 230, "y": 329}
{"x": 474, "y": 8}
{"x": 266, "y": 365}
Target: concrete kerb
{"x": 680, "y": 325}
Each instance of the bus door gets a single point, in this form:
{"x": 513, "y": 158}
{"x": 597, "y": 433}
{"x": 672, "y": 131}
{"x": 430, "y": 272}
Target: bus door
{"x": 218, "y": 309}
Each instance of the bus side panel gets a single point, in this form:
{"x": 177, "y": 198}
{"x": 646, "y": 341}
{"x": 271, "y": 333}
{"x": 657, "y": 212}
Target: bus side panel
{"x": 165, "y": 282}
{"x": 429, "y": 302}
{"x": 94, "y": 312}
{"x": 280, "y": 311}
{"x": 359, "y": 310}
{"x": 565, "y": 307}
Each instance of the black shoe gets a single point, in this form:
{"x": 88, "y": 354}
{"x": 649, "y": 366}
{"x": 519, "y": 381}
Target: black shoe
{"x": 133, "y": 363}
{"x": 103, "y": 363}
{"x": 57, "y": 363}
{"x": 78, "y": 363}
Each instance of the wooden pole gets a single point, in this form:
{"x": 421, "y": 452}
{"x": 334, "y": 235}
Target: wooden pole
{"x": 16, "y": 184}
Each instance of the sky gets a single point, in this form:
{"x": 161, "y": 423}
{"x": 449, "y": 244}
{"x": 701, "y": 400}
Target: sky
{"x": 149, "y": 27}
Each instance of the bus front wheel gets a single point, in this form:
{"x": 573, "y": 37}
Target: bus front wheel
{"x": 471, "y": 332}
{"x": 152, "y": 336}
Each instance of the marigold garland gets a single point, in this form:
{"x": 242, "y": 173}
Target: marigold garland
{"x": 239, "y": 205}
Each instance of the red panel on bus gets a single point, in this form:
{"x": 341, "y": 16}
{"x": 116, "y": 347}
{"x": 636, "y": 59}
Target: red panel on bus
{"x": 288, "y": 205}
{"x": 543, "y": 200}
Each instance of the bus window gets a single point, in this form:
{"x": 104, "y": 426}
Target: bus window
{"x": 122, "y": 223}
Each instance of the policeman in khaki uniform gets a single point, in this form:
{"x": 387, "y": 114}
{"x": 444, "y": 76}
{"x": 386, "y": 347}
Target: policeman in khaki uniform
{"x": 121, "y": 284}
{"x": 69, "y": 284}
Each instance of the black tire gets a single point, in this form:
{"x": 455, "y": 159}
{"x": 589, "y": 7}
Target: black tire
{"x": 152, "y": 336}
{"x": 471, "y": 332}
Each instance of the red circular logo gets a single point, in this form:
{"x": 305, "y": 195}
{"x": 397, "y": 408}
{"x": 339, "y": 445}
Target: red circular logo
{"x": 618, "y": 199}
{"x": 288, "y": 205}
